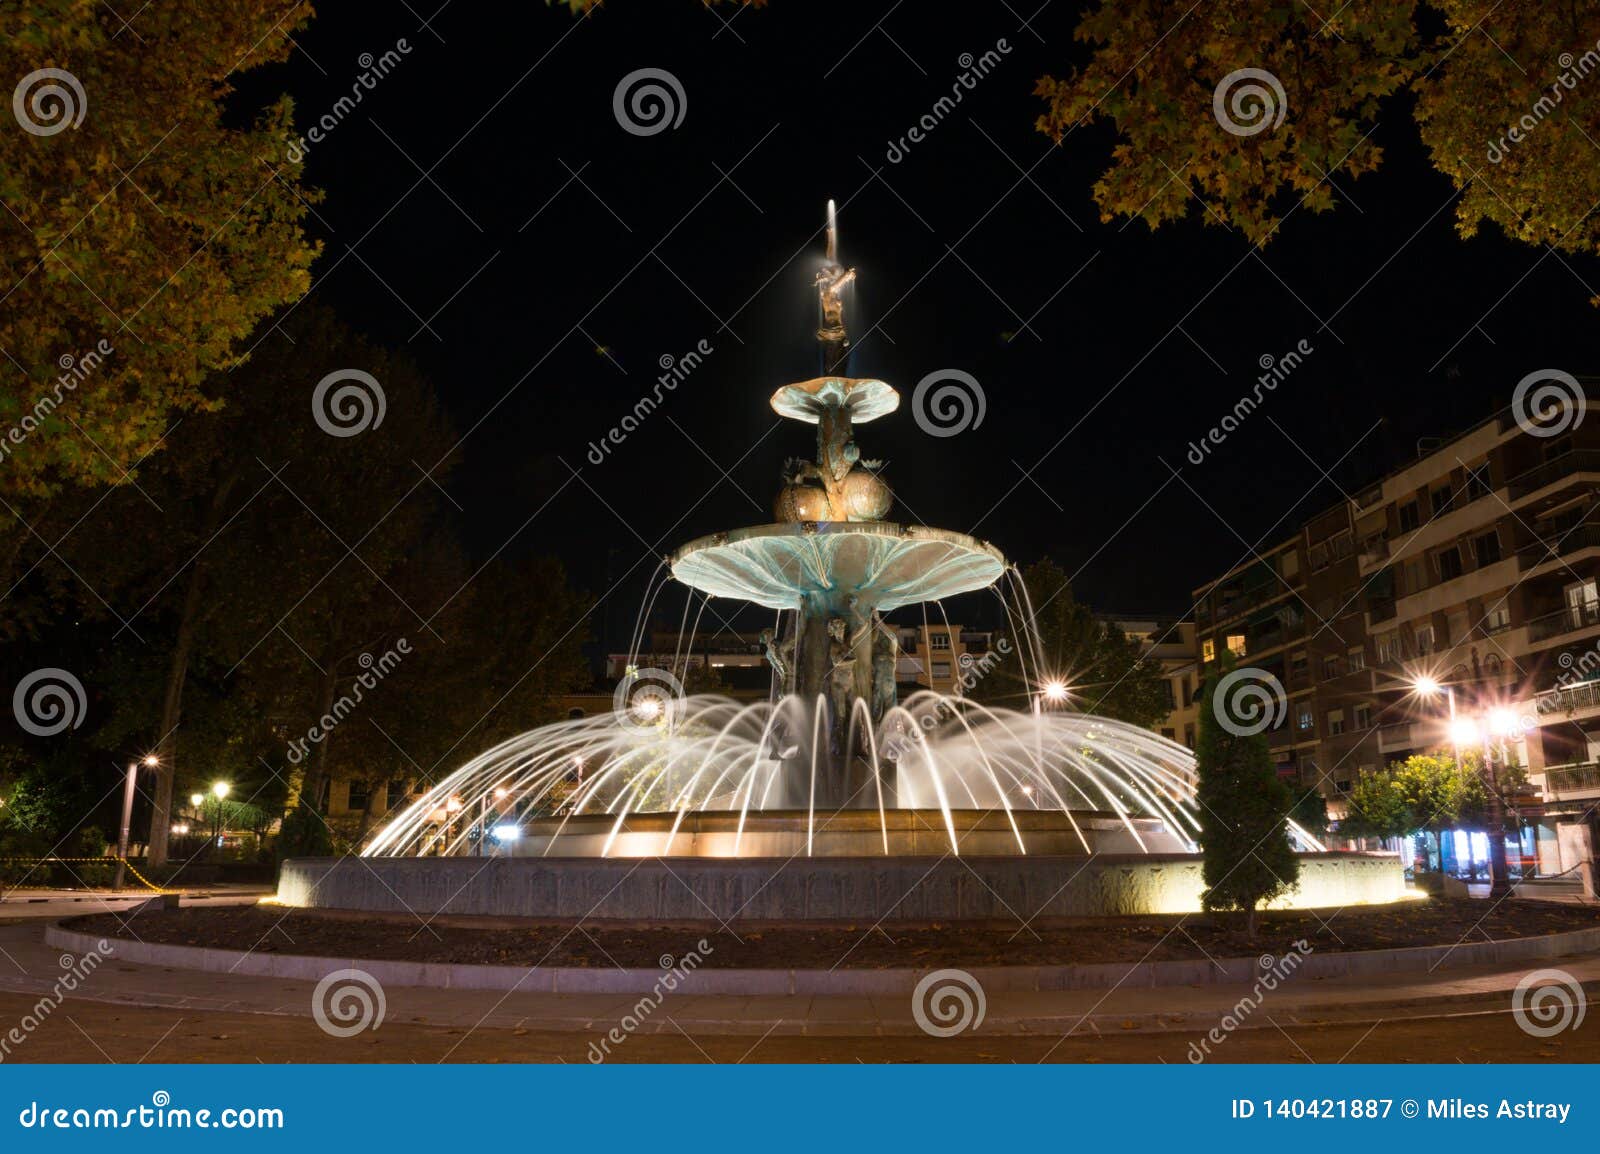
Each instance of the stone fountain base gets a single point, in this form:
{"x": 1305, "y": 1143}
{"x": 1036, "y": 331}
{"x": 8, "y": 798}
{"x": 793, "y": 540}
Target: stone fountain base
{"x": 847, "y": 877}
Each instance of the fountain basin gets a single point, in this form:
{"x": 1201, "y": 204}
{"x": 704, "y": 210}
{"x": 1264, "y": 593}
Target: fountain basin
{"x": 884, "y": 565}
{"x": 859, "y": 889}
{"x": 847, "y": 833}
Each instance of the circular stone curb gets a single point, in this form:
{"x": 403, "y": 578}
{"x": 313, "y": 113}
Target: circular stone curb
{"x": 710, "y": 981}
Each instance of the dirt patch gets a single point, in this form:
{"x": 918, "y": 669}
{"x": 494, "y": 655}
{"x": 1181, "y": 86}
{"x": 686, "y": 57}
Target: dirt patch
{"x": 484, "y": 941}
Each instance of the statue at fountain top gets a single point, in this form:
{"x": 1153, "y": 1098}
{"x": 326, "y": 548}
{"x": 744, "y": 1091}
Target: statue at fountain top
{"x": 832, "y": 279}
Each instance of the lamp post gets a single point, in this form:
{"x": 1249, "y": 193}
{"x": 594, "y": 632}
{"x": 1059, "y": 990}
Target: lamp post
{"x": 1465, "y": 730}
{"x": 220, "y": 791}
{"x": 129, "y": 787}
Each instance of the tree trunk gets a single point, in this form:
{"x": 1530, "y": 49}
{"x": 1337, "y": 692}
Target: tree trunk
{"x": 177, "y": 673}
{"x": 171, "y": 713}
{"x": 1250, "y": 923}
{"x": 317, "y": 775}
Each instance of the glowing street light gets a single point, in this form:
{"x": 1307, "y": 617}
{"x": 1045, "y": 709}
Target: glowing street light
{"x": 1464, "y": 731}
{"x": 1426, "y": 686}
{"x": 197, "y": 800}
{"x": 220, "y": 789}
{"x": 1055, "y": 690}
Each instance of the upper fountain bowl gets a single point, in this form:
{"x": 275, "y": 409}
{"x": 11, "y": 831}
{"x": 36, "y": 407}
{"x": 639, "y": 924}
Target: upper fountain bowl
{"x": 865, "y": 398}
{"x": 883, "y": 565}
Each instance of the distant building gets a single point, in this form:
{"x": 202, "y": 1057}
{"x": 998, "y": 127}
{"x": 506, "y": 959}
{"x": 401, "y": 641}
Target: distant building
{"x": 1476, "y": 565}
{"x": 1171, "y": 644}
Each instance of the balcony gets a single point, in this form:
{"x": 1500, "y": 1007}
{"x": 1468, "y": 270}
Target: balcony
{"x": 1582, "y": 616}
{"x": 1579, "y": 778}
{"x": 1568, "y": 699}
{"x": 1585, "y": 536}
{"x": 1578, "y": 461}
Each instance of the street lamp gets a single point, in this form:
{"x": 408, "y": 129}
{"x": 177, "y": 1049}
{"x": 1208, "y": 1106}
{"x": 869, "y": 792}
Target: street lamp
{"x": 129, "y": 787}
{"x": 219, "y": 790}
{"x": 1467, "y": 731}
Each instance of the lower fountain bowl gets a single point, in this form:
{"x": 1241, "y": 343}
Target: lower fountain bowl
{"x": 846, "y": 833}
{"x": 847, "y": 877}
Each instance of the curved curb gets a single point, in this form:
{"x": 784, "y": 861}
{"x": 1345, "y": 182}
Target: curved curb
{"x": 708, "y": 981}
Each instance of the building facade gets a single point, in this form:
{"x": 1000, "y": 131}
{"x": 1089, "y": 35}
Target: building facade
{"x": 1472, "y": 573}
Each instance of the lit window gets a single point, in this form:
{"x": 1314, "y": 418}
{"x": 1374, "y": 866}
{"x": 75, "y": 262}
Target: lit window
{"x": 939, "y": 640}
{"x": 1363, "y": 716}
{"x": 1208, "y": 651}
{"x": 1335, "y": 722}
{"x": 1424, "y": 640}
{"x": 1304, "y": 720}
{"x": 1236, "y": 644}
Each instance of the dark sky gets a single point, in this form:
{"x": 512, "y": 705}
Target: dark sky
{"x": 543, "y": 230}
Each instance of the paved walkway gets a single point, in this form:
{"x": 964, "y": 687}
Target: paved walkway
{"x": 55, "y": 903}
{"x": 29, "y": 966}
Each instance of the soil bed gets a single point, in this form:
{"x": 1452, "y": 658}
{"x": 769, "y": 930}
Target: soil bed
{"x": 500, "y": 941}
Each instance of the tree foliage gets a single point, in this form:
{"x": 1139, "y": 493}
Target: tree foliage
{"x": 1422, "y": 793}
{"x": 1107, "y": 671}
{"x": 1163, "y": 74}
{"x": 154, "y": 224}
{"x": 1247, "y": 859}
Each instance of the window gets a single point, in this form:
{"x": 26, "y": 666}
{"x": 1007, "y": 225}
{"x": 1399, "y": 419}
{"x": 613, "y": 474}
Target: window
{"x": 1331, "y": 666}
{"x": 1335, "y": 722}
{"x": 1342, "y": 786}
{"x": 1583, "y": 602}
{"x": 1408, "y": 517}
{"x": 1424, "y": 638}
{"x": 1362, "y": 716}
{"x": 1342, "y": 543}
{"x": 1478, "y": 481}
{"x": 1236, "y": 644}
{"x": 1414, "y": 576}
{"x": 1208, "y": 651}
{"x": 1497, "y": 619}
{"x": 1441, "y": 500}
{"x": 939, "y": 641}
{"x": 1298, "y": 666}
{"x": 1303, "y": 719}
{"x": 1318, "y": 555}
{"x": 1172, "y": 694}
{"x": 1289, "y": 564}
{"x": 1449, "y": 562}
{"x": 1356, "y": 660}
{"x": 1188, "y": 736}
{"x": 1188, "y": 691}
{"x": 359, "y": 793}
{"x": 1387, "y": 647}
{"x": 1170, "y": 734}
{"x": 941, "y": 670}
{"x": 1486, "y": 548}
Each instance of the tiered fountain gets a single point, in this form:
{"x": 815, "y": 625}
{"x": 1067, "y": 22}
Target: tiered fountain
{"x": 832, "y": 799}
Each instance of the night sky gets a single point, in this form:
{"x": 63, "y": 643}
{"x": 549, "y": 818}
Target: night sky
{"x": 543, "y": 231}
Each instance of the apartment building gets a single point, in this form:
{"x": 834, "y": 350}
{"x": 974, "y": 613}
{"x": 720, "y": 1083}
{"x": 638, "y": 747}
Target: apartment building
{"x": 1476, "y": 567}
{"x": 1171, "y": 645}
